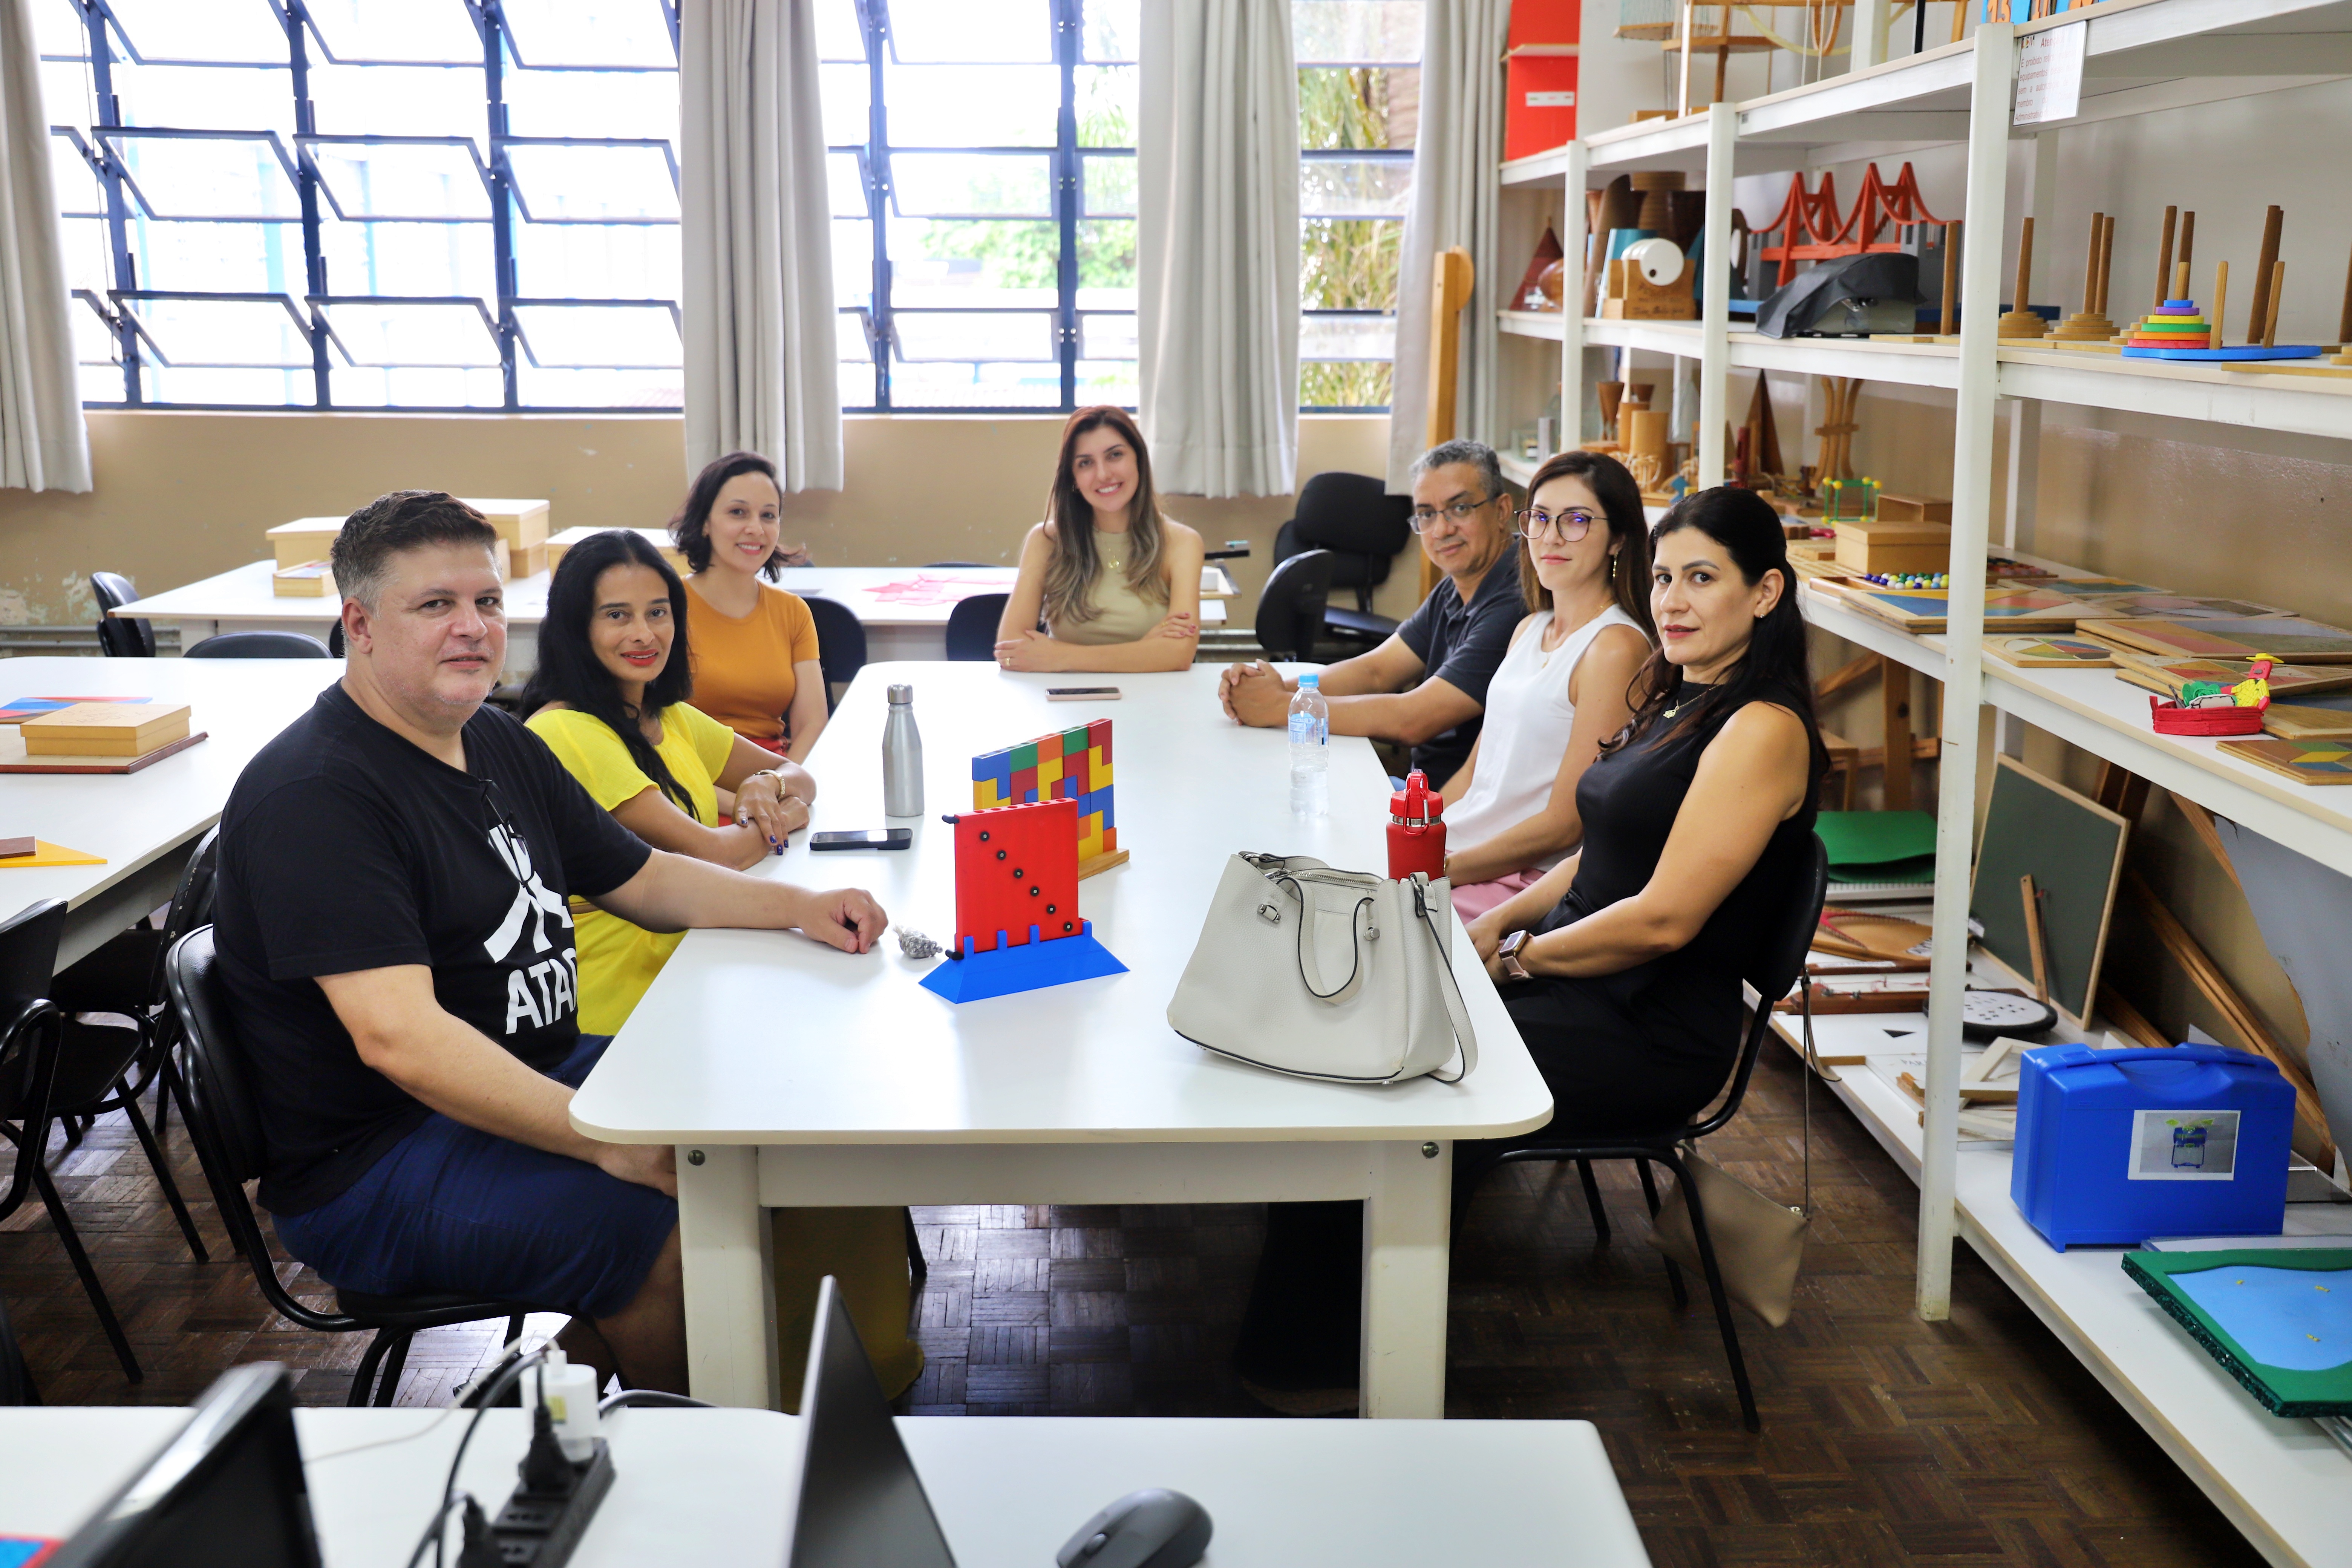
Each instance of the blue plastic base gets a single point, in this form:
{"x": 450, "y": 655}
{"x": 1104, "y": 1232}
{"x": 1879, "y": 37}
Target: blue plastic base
{"x": 2246, "y": 352}
{"x": 1035, "y": 964}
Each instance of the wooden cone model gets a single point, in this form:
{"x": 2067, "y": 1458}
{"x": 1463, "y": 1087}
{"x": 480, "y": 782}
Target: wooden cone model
{"x": 2021, "y": 323}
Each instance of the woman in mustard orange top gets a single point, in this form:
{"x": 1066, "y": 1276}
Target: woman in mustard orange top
{"x": 754, "y": 646}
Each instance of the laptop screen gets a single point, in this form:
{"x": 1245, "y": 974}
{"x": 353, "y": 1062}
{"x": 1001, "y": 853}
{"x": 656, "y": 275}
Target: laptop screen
{"x": 228, "y": 1492}
{"x": 859, "y": 1503}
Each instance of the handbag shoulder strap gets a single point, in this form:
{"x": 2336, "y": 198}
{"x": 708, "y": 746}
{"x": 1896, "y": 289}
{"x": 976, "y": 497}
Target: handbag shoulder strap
{"x": 1458, "y": 1015}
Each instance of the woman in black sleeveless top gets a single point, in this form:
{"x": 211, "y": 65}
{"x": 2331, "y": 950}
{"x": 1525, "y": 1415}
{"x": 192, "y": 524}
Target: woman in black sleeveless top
{"x": 1622, "y": 967}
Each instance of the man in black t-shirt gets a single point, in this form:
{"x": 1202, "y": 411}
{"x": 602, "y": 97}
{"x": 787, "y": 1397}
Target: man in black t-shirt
{"x": 1425, "y": 686}
{"x": 394, "y": 936}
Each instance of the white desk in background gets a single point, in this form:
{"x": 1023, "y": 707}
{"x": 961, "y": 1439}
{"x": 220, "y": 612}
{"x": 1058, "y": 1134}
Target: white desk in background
{"x": 146, "y": 824}
{"x": 789, "y": 1074}
{"x": 709, "y": 1485}
{"x": 900, "y": 624}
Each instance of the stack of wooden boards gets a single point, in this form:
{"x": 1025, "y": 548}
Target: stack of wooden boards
{"x": 301, "y": 548}
{"x": 98, "y": 738}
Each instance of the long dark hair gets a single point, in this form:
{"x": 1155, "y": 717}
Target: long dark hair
{"x": 691, "y": 529}
{"x": 1076, "y": 565}
{"x": 1775, "y": 668}
{"x": 569, "y": 672}
{"x": 1621, "y": 503}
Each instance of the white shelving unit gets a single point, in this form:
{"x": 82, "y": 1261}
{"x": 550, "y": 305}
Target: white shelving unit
{"x": 2141, "y": 56}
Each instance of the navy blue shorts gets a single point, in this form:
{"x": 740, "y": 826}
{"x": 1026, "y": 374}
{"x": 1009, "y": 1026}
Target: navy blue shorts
{"x": 451, "y": 1208}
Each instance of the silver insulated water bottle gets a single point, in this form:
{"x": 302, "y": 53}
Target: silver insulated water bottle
{"x": 902, "y": 757}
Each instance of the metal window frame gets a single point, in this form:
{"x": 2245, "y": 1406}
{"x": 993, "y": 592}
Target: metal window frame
{"x": 109, "y": 43}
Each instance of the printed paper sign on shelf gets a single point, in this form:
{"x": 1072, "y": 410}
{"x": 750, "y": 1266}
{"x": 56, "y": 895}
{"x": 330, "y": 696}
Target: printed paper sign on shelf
{"x": 2050, "y": 76}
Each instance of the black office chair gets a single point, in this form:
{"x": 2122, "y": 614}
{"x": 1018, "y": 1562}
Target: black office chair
{"x": 840, "y": 642}
{"x": 1355, "y": 518}
{"x": 118, "y": 637}
{"x": 227, "y": 1126}
{"x": 1774, "y": 967}
{"x": 335, "y": 640}
{"x": 31, "y": 1030}
{"x": 104, "y": 1066}
{"x": 260, "y": 645}
{"x": 1290, "y": 606}
{"x": 971, "y": 627}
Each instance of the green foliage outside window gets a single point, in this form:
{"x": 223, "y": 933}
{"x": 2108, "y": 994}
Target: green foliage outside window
{"x": 1346, "y": 264}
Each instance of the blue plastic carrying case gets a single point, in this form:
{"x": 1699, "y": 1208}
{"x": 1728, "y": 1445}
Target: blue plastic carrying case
{"x": 2114, "y": 1147}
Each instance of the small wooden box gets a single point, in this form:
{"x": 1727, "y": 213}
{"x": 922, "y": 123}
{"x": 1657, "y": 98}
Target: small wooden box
{"x": 503, "y": 553}
{"x": 521, "y": 523}
{"x": 308, "y": 580}
{"x": 557, "y": 544}
{"x": 530, "y": 561}
{"x": 305, "y": 540}
{"x": 1893, "y": 507}
{"x": 1877, "y": 544}
{"x": 104, "y": 730}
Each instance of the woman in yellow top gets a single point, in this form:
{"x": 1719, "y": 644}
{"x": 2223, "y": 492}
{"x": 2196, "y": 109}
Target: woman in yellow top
{"x": 1117, "y": 584}
{"x": 755, "y": 648}
{"x": 609, "y": 698}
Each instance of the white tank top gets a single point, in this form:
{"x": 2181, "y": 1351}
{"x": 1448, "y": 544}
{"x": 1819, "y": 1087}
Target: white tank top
{"x": 1529, "y": 716}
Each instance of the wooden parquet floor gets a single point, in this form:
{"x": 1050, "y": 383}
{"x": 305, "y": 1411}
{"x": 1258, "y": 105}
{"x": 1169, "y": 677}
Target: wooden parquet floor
{"x": 1886, "y": 1440}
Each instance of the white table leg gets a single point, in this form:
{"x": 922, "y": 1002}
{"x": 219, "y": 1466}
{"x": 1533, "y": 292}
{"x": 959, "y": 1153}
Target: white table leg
{"x": 729, "y": 1289}
{"x": 1408, "y": 1221}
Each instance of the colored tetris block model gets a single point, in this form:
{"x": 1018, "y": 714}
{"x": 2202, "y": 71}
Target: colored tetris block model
{"x": 1074, "y": 765}
{"x": 1017, "y": 922}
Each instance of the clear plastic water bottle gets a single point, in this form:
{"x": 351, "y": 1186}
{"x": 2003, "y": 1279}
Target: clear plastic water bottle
{"x": 1311, "y": 749}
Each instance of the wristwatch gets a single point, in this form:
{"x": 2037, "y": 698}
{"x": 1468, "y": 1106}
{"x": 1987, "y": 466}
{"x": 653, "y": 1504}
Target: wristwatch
{"x": 1509, "y": 953}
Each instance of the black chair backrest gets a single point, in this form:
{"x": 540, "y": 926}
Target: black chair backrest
{"x": 223, "y": 1119}
{"x": 1775, "y": 964}
{"x": 119, "y": 637}
{"x": 1353, "y": 512}
{"x": 335, "y": 640}
{"x": 972, "y": 626}
{"x": 1290, "y": 606}
{"x": 260, "y": 645}
{"x": 191, "y": 906}
{"x": 28, "y": 1033}
{"x": 840, "y": 642}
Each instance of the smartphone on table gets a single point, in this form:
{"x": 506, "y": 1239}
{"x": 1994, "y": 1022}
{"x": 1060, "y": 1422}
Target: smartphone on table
{"x": 862, "y": 838}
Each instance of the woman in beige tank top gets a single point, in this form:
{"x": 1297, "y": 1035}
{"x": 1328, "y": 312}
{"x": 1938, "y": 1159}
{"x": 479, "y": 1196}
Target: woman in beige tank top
{"x": 1117, "y": 584}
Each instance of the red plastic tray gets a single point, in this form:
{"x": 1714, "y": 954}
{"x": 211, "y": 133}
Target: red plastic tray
{"x": 2171, "y": 719}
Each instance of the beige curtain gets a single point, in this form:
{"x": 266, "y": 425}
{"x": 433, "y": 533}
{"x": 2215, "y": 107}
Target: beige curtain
{"x": 43, "y": 444}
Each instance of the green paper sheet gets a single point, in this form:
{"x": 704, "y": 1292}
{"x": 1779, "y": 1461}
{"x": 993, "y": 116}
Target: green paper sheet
{"x": 1876, "y": 840}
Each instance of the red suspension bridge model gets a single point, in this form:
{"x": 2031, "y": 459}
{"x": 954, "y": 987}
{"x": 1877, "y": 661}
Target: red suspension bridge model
{"x": 1811, "y": 230}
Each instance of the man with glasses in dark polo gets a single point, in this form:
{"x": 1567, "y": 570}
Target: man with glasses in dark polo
{"x": 1425, "y": 686}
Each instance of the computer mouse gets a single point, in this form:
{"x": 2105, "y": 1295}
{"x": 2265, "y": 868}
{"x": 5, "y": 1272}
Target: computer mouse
{"x": 1151, "y": 1529}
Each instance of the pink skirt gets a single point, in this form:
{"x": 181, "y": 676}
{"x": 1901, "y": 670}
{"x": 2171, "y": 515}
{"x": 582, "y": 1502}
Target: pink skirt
{"x": 1475, "y": 898}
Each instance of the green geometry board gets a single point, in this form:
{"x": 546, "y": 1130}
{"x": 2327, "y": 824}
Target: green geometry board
{"x": 2073, "y": 847}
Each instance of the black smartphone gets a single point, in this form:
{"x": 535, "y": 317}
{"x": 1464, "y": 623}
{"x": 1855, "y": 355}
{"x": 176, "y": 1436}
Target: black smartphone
{"x": 1082, "y": 694}
{"x": 863, "y": 839}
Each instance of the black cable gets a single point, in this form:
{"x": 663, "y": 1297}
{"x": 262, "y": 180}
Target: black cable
{"x": 491, "y": 1393}
{"x": 654, "y": 1397}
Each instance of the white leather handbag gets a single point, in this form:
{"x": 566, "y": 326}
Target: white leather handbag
{"x": 1340, "y": 975}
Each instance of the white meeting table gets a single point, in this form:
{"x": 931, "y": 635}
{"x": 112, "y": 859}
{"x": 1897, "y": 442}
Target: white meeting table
{"x": 710, "y": 1486}
{"x": 145, "y": 824}
{"x": 240, "y": 600}
{"x": 789, "y": 1074}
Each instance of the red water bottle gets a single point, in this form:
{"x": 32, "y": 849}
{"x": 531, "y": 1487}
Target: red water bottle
{"x": 1417, "y": 829}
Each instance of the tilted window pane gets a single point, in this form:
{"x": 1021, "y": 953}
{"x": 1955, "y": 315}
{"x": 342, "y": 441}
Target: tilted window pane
{"x": 589, "y": 185}
{"x": 1106, "y": 98}
{"x": 972, "y": 106}
{"x": 849, "y": 333}
{"x": 1106, "y": 264}
{"x": 589, "y": 33}
{"x": 1106, "y": 336}
{"x": 838, "y": 35}
{"x": 844, "y": 98}
{"x": 951, "y": 264}
{"x": 89, "y": 263}
{"x": 1355, "y": 32}
{"x": 591, "y": 103}
{"x": 1354, "y": 187}
{"x": 572, "y": 336}
{"x": 402, "y": 180}
{"x": 971, "y": 184}
{"x": 1350, "y": 264}
{"x": 408, "y": 258}
{"x": 229, "y": 258}
{"x": 853, "y": 261}
{"x": 400, "y": 100}
{"x": 597, "y": 261}
{"x": 206, "y": 97}
{"x": 240, "y": 30}
{"x": 411, "y": 31}
{"x": 975, "y": 336}
{"x": 67, "y": 94}
{"x": 208, "y": 177}
{"x": 385, "y": 332}
{"x": 79, "y": 192}
{"x": 1010, "y": 32}
{"x": 224, "y": 332}
{"x": 94, "y": 343}
{"x": 845, "y": 186}
{"x": 1347, "y": 337}
{"x": 1109, "y": 188}
{"x": 245, "y": 388}
{"x": 1112, "y": 30}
